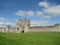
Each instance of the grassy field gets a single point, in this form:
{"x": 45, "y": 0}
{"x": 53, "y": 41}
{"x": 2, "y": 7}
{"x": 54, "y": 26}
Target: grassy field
{"x": 30, "y": 39}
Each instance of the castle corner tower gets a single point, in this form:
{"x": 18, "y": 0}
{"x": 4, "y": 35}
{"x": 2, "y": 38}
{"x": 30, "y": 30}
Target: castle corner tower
{"x": 23, "y": 26}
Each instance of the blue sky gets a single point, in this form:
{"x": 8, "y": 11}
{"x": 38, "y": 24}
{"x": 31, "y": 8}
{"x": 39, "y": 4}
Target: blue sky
{"x": 40, "y": 12}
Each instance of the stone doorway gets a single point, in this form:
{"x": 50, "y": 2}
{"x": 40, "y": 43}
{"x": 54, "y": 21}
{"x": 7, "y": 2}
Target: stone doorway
{"x": 23, "y": 31}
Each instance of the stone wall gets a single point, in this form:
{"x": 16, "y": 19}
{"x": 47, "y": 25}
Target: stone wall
{"x": 24, "y": 25}
{"x": 55, "y": 28}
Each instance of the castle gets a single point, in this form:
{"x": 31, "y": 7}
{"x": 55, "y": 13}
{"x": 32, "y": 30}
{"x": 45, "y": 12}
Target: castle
{"x": 23, "y": 26}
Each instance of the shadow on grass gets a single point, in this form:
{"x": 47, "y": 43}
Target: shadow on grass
{"x": 57, "y": 41}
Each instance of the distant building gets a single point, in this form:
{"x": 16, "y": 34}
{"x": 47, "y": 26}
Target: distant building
{"x": 23, "y": 26}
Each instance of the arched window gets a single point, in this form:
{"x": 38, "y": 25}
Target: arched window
{"x": 17, "y": 28}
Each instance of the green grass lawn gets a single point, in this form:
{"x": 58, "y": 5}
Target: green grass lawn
{"x": 30, "y": 39}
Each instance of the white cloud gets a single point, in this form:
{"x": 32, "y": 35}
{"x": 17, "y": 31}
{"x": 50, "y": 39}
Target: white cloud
{"x": 25, "y": 13}
{"x": 53, "y": 10}
{"x": 1, "y": 23}
{"x": 30, "y": 13}
{"x": 21, "y": 13}
{"x": 9, "y": 23}
{"x": 44, "y": 4}
{"x": 47, "y": 16}
{"x": 2, "y": 19}
{"x": 4, "y": 22}
{"x": 39, "y": 13}
{"x": 40, "y": 23}
{"x": 49, "y": 10}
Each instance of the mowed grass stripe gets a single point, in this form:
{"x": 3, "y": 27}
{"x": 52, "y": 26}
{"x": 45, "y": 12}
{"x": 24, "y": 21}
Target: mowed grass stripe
{"x": 30, "y": 38}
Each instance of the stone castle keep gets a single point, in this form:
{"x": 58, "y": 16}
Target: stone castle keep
{"x": 24, "y": 26}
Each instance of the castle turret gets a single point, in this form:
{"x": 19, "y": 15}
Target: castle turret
{"x": 23, "y": 25}
{"x": 8, "y": 28}
{"x": 26, "y": 25}
{"x": 18, "y": 27}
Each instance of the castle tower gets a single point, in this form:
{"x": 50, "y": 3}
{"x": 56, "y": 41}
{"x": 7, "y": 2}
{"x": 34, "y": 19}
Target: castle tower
{"x": 26, "y": 24}
{"x": 19, "y": 25}
{"x": 8, "y": 27}
{"x": 23, "y": 25}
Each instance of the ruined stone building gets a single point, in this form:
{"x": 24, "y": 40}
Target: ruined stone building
{"x": 24, "y": 26}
